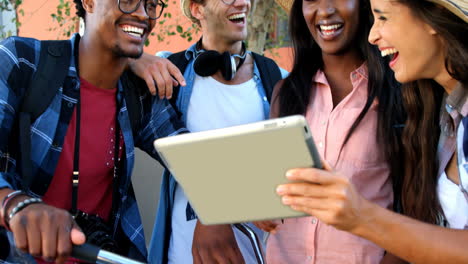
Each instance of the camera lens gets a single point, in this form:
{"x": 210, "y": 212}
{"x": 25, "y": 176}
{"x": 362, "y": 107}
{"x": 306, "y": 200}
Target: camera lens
{"x": 97, "y": 232}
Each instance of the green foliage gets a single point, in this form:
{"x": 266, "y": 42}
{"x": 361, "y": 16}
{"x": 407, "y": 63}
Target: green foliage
{"x": 67, "y": 22}
{"x": 178, "y": 25}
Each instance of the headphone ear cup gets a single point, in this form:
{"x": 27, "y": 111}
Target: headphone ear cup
{"x": 226, "y": 66}
{"x": 207, "y": 63}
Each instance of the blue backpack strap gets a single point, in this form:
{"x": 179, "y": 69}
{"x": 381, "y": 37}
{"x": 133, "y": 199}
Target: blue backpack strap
{"x": 269, "y": 72}
{"x": 54, "y": 62}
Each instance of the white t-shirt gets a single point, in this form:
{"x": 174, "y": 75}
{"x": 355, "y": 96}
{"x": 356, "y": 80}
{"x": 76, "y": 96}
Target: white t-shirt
{"x": 453, "y": 202}
{"x": 213, "y": 105}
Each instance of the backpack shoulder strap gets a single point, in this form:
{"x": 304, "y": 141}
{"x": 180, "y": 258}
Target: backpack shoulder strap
{"x": 269, "y": 72}
{"x": 181, "y": 62}
{"x": 133, "y": 88}
{"x": 54, "y": 62}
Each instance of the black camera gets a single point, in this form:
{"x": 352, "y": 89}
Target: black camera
{"x": 97, "y": 232}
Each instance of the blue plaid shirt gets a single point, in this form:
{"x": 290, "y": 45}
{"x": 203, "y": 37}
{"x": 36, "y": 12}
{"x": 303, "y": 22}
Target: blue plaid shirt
{"x": 19, "y": 59}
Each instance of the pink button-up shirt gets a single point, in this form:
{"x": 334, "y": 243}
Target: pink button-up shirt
{"x": 308, "y": 240}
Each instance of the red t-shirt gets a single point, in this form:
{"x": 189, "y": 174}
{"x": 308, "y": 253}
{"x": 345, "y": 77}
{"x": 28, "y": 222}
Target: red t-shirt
{"x": 97, "y": 146}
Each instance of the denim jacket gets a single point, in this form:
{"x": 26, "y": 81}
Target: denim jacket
{"x": 159, "y": 246}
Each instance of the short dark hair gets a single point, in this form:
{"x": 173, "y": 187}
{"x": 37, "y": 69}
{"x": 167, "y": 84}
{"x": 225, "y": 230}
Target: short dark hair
{"x": 79, "y": 9}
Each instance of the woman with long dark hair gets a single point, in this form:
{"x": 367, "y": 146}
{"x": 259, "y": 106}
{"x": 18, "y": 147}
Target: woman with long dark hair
{"x": 351, "y": 101}
{"x": 426, "y": 43}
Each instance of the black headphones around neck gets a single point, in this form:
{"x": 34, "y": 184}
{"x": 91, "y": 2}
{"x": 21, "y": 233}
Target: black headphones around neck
{"x": 208, "y": 62}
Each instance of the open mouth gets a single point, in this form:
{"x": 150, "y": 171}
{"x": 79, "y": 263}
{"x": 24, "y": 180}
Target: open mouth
{"x": 392, "y": 54}
{"x": 133, "y": 31}
{"x": 237, "y": 18}
{"x": 331, "y": 29}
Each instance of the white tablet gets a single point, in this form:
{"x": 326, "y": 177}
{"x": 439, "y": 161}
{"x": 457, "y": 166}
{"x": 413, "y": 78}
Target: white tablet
{"x": 230, "y": 175}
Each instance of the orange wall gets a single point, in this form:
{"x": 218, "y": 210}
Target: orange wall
{"x": 171, "y": 43}
{"x": 37, "y": 23}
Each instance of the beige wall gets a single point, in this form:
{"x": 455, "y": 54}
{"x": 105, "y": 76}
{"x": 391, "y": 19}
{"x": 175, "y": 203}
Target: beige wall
{"x": 146, "y": 181}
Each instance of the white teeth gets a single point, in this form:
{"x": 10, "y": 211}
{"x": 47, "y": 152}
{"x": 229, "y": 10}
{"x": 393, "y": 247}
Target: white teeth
{"x": 329, "y": 27}
{"x": 134, "y": 31}
{"x": 236, "y": 16}
{"x": 134, "y": 34}
{"x": 387, "y": 52}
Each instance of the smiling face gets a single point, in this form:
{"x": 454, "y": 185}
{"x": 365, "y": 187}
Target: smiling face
{"x": 227, "y": 23}
{"x": 123, "y": 34}
{"x": 415, "y": 48}
{"x": 332, "y": 23}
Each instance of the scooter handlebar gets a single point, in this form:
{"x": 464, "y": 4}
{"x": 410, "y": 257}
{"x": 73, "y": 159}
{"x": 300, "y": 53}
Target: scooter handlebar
{"x": 93, "y": 254}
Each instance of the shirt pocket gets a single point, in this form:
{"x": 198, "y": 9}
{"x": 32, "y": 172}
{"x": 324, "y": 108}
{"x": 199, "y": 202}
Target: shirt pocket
{"x": 362, "y": 150}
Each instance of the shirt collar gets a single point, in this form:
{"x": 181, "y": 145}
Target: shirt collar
{"x": 360, "y": 72}
{"x": 191, "y": 52}
{"x": 458, "y": 99}
{"x": 75, "y": 44}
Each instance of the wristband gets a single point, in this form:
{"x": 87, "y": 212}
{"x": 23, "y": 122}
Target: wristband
{"x": 20, "y": 206}
{"x": 6, "y": 200}
{"x": 11, "y": 196}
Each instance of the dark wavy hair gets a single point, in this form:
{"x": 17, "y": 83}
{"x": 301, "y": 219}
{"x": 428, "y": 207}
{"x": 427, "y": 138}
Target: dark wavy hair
{"x": 80, "y": 12}
{"x": 422, "y": 100}
{"x": 295, "y": 92}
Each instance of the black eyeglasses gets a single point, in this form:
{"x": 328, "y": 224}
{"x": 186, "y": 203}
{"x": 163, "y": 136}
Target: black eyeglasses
{"x": 153, "y": 8}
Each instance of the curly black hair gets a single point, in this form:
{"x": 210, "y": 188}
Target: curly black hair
{"x": 79, "y": 8}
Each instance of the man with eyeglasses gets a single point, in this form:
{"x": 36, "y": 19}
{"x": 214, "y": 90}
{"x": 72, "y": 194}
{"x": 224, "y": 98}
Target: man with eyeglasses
{"x": 82, "y": 144}
{"x": 226, "y": 86}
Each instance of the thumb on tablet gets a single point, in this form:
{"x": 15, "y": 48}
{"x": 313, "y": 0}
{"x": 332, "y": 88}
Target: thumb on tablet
{"x": 326, "y": 166}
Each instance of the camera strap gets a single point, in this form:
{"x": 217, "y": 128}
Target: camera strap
{"x": 76, "y": 163}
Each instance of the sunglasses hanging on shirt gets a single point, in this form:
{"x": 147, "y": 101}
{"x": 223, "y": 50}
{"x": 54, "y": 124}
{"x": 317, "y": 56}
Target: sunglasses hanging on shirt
{"x": 208, "y": 62}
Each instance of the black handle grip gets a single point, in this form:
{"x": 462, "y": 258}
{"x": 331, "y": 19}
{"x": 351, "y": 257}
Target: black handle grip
{"x": 86, "y": 252}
